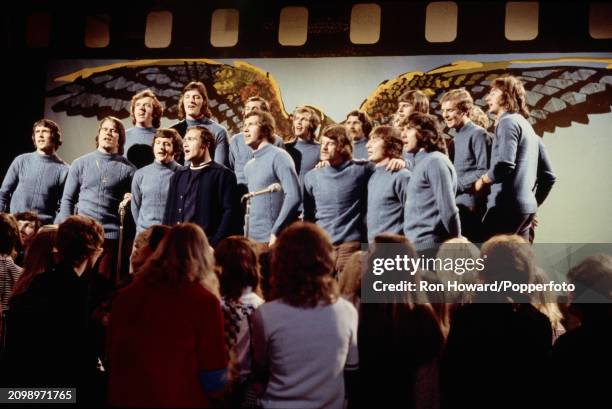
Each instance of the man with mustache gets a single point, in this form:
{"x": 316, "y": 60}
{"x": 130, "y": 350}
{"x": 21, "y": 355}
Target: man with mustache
{"x": 358, "y": 126}
{"x": 96, "y": 183}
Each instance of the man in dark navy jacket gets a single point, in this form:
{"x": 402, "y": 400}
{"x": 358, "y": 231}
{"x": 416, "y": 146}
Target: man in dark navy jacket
{"x": 205, "y": 192}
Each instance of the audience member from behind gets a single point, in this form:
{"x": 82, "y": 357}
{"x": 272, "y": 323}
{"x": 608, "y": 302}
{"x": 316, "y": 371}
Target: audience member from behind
{"x": 145, "y": 245}
{"x": 458, "y": 248}
{"x": 166, "y": 346}
{"x": 500, "y": 342}
{"x": 9, "y": 271}
{"x": 350, "y": 277}
{"x": 239, "y": 277}
{"x": 400, "y": 340}
{"x": 546, "y": 303}
{"x": 580, "y": 355}
{"x": 307, "y": 336}
{"x": 41, "y": 255}
{"x": 52, "y": 339}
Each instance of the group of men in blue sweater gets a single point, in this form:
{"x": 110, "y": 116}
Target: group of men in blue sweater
{"x": 356, "y": 182}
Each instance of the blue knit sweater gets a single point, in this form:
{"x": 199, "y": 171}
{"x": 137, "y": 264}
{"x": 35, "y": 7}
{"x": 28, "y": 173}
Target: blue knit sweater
{"x": 271, "y": 212}
{"x": 150, "y": 192}
{"x": 138, "y": 146}
{"x": 519, "y": 165}
{"x": 387, "y": 197}
{"x": 431, "y": 215}
{"x": 359, "y": 149}
{"x": 34, "y": 182}
{"x": 336, "y": 198}
{"x": 471, "y": 161}
{"x": 96, "y": 184}
{"x": 305, "y": 155}
{"x": 240, "y": 153}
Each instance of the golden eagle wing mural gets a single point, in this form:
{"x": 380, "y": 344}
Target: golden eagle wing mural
{"x": 107, "y": 90}
{"x": 557, "y": 94}
{"x": 559, "y": 91}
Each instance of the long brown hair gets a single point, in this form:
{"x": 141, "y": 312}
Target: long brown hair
{"x": 201, "y": 88}
{"x": 237, "y": 266}
{"x": 183, "y": 255}
{"x": 428, "y": 133}
{"x": 38, "y": 257}
{"x": 514, "y": 97}
{"x": 302, "y": 266}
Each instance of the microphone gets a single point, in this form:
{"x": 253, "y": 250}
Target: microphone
{"x": 274, "y": 187}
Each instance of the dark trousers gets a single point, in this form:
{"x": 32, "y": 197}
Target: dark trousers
{"x": 471, "y": 223}
{"x": 504, "y": 221}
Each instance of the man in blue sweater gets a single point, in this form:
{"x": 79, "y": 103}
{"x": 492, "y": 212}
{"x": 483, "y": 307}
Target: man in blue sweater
{"x": 240, "y": 153}
{"x": 471, "y": 159}
{"x": 410, "y": 101}
{"x": 387, "y": 191}
{"x": 335, "y": 196}
{"x": 203, "y": 193}
{"x": 304, "y": 149}
{"x": 146, "y": 113}
{"x": 358, "y": 126}
{"x": 431, "y": 216}
{"x": 273, "y": 211}
{"x": 520, "y": 176}
{"x": 35, "y": 181}
{"x": 193, "y": 110}
{"x": 96, "y": 183}
{"x": 150, "y": 184}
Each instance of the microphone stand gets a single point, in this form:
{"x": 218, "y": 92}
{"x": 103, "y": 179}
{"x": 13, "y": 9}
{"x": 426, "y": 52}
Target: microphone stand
{"x": 120, "y": 249}
{"x": 247, "y": 217}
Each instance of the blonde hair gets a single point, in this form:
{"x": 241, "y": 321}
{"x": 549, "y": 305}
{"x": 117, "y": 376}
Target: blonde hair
{"x": 183, "y": 255}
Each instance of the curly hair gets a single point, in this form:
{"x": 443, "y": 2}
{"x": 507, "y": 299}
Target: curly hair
{"x": 428, "y": 133}
{"x": 302, "y": 266}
